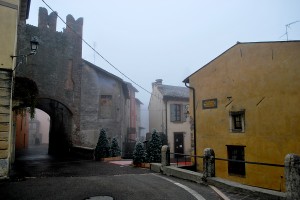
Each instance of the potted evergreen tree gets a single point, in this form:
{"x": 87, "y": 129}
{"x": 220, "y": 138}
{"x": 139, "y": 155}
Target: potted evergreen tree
{"x": 154, "y": 148}
{"x": 138, "y": 154}
{"x": 115, "y": 151}
{"x": 102, "y": 148}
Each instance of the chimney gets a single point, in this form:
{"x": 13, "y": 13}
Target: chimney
{"x": 157, "y": 82}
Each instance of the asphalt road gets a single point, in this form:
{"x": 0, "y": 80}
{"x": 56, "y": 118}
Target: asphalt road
{"x": 42, "y": 177}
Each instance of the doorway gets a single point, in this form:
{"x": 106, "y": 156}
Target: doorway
{"x": 178, "y": 144}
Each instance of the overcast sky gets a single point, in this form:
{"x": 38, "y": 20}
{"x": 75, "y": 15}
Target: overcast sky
{"x": 171, "y": 39}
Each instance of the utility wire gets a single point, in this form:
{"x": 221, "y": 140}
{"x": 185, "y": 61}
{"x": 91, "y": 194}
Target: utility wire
{"x": 99, "y": 53}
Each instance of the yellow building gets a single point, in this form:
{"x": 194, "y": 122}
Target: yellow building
{"x": 246, "y": 108}
{"x": 12, "y": 12}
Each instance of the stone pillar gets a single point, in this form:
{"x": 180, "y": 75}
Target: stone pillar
{"x": 208, "y": 163}
{"x": 165, "y": 155}
{"x": 292, "y": 176}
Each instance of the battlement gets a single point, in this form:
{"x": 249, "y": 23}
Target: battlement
{"x": 49, "y": 22}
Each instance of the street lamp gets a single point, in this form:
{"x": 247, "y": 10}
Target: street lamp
{"x": 34, "y": 43}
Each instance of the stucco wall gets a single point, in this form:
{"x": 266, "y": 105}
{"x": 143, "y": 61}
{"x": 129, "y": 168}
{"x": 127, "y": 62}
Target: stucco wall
{"x": 156, "y": 111}
{"x": 183, "y": 127}
{"x": 8, "y": 32}
{"x": 264, "y": 80}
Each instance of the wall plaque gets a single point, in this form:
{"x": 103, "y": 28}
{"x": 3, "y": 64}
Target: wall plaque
{"x": 209, "y": 103}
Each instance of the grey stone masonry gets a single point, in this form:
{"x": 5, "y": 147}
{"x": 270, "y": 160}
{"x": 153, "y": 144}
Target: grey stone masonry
{"x": 5, "y": 93}
{"x": 165, "y": 155}
{"x": 209, "y": 163}
{"x": 292, "y": 175}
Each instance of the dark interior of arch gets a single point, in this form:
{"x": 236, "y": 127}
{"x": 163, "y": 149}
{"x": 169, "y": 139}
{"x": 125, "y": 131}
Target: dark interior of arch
{"x": 60, "y": 126}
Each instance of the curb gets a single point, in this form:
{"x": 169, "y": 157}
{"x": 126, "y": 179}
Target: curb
{"x": 215, "y": 182}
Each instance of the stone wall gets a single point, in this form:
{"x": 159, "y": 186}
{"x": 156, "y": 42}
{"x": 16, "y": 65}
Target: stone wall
{"x": 5, "y": 92}
{"x": 56, "y": 68}
{"x": 94, "y": 116}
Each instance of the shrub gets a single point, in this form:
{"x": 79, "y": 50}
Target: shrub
{"x": 102, "y": 148}
{"x": 114, "y": 148}
{"x": 154, "y": 148}
{"x": 139, "y": 153}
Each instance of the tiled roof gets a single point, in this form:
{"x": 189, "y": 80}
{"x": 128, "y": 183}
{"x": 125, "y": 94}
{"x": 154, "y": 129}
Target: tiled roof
{"x": 169, "y": 91}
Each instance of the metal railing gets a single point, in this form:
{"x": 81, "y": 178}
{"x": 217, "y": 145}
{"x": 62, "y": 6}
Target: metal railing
{"x": 185, "y": 158}
{"x": 182, "y": 159}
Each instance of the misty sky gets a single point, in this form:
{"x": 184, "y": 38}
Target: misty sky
{"x": 171, "y": 39}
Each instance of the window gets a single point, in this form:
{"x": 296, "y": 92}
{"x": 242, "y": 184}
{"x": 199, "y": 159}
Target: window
{"x": 177, "y": 114}
{"x": 105, "y": 107}
{"x": 236, "y": 153}
{"x": 237, "y": 121}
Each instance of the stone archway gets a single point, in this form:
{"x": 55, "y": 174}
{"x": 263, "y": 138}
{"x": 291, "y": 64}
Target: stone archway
{"x": 61, "y": 120}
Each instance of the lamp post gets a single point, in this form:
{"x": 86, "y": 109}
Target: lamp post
{"x": 34, "y": 43}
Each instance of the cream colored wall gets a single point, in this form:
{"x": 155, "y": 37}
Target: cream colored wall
{"x": 179, "y": 127}
{"x": 263, "y": 79}
{"x": 156, "y": 111}
{"x": 8, "y": 32}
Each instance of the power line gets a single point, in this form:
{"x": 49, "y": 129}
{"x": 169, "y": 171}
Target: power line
{"x": 95, "y": 51}
{"x": 286, "y": 29}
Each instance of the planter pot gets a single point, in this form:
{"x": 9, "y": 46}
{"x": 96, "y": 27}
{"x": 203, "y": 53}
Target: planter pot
{"x": 110, "y": 158}
{"x": 146, "y": 165}
{"x": 142, "y": 165}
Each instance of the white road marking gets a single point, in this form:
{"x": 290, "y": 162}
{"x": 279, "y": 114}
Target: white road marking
{"x": 191, "y": 191}
{"x": 221, "y": 194}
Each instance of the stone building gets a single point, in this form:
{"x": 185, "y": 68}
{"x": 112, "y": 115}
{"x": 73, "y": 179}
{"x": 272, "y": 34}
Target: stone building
{"x": 104, "y": 100}
{"x": 168, "y": 115}
{"x": 79, "y": 97}
{"x": 246, "y": 109}
{"x": 35, "y": 136}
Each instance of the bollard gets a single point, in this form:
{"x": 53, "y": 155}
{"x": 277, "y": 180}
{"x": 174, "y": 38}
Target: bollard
{"x": 292, "y": 176}
{"x": 208, "y": 163}
{"x": 165, "y": 155}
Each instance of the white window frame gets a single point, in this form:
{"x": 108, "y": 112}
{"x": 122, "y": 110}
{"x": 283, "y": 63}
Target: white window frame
{"x": 232, "y": 115}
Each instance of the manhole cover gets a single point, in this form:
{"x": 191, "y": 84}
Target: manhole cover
{"x": 100, "y": 198}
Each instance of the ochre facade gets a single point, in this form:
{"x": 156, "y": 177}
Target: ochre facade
{"x": 12, "y": 13}
{"x": 261, "y": 80}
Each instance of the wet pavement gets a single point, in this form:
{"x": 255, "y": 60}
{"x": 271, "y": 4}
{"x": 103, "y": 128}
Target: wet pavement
{"x": 35, "y": 162}
{"x": 36, "y": 175}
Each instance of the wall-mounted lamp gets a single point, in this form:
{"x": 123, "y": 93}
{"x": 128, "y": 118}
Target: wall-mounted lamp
{"x": 34, "y": 43}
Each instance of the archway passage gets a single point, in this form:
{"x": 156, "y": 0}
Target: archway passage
{"x": 60, "y": 126}
{"x": 39, "y": 129}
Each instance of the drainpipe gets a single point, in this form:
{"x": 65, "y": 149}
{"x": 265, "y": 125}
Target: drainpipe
{"x": 166, "y": 128}
{"x": 194, "y": 121}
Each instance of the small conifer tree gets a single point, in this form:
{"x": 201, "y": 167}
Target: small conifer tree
{"x": 102, "y": 148}
{"x": 139, "y": 153}
{"x": 154, "y": 148}
{"x": 114, "y": 148}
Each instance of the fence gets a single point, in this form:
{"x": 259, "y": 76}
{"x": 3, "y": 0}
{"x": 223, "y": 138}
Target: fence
{"x": 291, "y": 167}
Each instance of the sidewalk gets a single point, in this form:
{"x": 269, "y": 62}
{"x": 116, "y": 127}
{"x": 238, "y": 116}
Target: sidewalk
{"x": 226, "y": 189}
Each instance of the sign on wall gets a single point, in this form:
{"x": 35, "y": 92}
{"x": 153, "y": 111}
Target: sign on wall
{"x": 209, "y": 103}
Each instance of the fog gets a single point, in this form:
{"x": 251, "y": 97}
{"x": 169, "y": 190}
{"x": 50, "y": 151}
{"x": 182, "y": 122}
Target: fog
{"x": 170, "y": 39}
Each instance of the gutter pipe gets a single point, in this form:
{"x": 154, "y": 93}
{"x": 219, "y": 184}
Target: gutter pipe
{"x": 194, "y": 121}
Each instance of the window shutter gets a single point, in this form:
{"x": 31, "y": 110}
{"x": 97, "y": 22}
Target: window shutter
{"x": 173, "y": 112}
{"x": 183, "y": 114}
